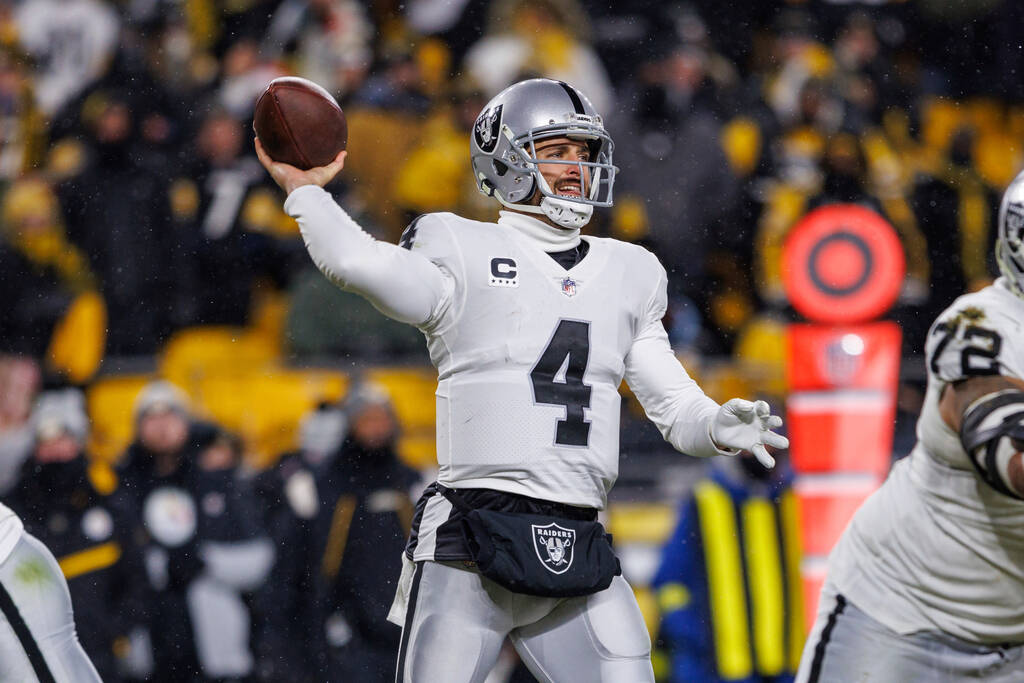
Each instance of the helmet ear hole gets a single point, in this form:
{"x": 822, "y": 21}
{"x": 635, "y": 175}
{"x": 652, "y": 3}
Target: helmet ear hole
{"x": 500, "y": 167}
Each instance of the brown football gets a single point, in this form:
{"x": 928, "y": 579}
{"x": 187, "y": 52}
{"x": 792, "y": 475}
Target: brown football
{"x": 299, "y": 123}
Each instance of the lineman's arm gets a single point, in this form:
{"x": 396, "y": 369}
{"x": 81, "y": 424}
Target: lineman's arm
{"x": 988, "y": 413}
{"x": 401, "y": 284}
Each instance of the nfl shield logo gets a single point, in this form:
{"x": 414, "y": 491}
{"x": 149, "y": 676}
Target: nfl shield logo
{"x": 569, "y": 287}
{"x": 840, "y": 366}
{"x": 554, "y": 546}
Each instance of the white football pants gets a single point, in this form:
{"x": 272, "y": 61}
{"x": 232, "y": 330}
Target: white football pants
{"x": 456, "y": 621}
{"x": 848, "y": 645}
{"x": 38, "y": 641}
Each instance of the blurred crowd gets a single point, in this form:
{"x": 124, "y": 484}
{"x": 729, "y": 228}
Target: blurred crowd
{"x": 132, "y": 204}
{"x": 185, "y": 566}
{"x": 132, "y": 208}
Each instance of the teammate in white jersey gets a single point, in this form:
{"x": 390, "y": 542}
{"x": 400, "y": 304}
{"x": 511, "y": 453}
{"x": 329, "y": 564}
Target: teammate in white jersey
{"x": 38, "y": 641}
{"x": 927, "y": 581}
{"x": 532, "y": 329}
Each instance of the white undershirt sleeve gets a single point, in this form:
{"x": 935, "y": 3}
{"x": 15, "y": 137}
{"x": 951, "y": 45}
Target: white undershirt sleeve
{"x": 401, "y": 284}
{"x": 670, "y": 397}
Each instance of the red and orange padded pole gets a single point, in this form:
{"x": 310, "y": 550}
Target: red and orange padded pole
{"x": 843, "y": 267}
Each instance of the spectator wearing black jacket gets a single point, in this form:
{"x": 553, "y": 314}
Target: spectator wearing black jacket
{"x": 364, "y": 518}
{"x": 286, "y": 605}
{"x": 204, "y": 547}
{"x": 67, "y": 503}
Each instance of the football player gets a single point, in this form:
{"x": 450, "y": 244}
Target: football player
{"x": 927, "y": 581}
{"x": 38, "y": 641}
{"x": 532, "y": 327}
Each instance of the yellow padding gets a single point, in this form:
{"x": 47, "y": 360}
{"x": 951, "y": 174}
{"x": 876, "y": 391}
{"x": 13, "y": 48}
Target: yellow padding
{"x": 91, "y": 560}
{"x": 80, "y": 338}
{"x": 196, "y": 352}
{"x": 412, "y": 392}
{"x": 672, "y": 597}
{"x": 796, "y": 628}
{"x": 266, "y": 407}
{"x": 725, "y": 580}
{"x": 418, "y": 451}
{"x": 641, "y": 522}
{"x": 110, "y": 401}
{"x": 764, "y": 570}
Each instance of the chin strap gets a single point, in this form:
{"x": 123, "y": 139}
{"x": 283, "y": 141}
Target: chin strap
{"x": 568, "y": 214}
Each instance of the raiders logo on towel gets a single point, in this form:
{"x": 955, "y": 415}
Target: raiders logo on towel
{"x": 554, "y": 545}
{"x": 486, "y": 129}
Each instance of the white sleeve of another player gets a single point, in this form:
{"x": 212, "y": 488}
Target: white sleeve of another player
{"x": 401, "y": 284}
{"x": 670, "y": 397}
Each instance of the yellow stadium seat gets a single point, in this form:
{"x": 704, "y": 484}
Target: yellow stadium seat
{"x": 197, "y": 351}
{"x": 418, "y": 450}
{"x": 266, "y": 407}
{"x": 110, "y": 401}
{"x": 412, "y": 392}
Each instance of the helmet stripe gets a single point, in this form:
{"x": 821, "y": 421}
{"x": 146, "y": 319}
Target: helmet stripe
{"x": 577, "y": 103}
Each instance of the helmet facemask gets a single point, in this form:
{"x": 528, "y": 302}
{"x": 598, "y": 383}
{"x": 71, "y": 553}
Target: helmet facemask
{"x": 597, "y": 175}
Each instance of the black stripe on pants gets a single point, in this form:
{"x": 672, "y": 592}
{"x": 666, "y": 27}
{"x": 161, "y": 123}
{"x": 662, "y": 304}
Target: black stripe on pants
{"x": 410, "y": 611}
{"x": 28, "y": 642}
{"x": 826, "y": 633}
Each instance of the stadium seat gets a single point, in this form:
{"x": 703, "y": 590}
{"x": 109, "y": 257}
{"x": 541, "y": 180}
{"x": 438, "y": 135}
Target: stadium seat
{"x": 412, "y": 392}
{"x": 110, "y": 401}
{"x": 266, "y": 407}
{"x": 197, "y": 351}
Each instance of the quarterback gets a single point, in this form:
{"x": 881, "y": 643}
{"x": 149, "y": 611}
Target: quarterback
{"x": 927, "y": 581}
{"x": 532, "y": 328}
{"x": 37, "y": 630}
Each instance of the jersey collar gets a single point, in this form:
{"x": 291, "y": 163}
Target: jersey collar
{"x": 539, "y": 232}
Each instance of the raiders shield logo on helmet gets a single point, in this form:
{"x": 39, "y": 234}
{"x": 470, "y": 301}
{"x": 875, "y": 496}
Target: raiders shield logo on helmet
{"x": 554, "y": 545}
{"x": 486, "y": 129}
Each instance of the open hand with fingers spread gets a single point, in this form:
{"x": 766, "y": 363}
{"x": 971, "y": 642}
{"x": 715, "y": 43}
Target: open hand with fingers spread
{"x": 743, "y": 425}
{"x": 289, "y": 177}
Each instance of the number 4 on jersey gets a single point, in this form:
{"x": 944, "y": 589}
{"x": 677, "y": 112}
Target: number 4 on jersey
{"x": 557, "y": 379}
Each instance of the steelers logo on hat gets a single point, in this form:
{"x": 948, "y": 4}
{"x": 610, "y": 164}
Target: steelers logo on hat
{"x": 842, "y": 263}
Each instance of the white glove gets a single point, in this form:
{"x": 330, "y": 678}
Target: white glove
{"x": 746, "y": 426}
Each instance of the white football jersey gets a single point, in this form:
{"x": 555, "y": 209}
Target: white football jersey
{"x": 530, "y": 357}
{"x": 937, "y": 548}
{"x": 11, "y": 529}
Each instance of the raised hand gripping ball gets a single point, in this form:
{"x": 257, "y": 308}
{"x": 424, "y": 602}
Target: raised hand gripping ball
{"x": 300, "y": 123}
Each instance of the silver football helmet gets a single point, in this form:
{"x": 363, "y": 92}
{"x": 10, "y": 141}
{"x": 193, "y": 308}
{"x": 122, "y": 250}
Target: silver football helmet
{"x": 1010, "y": 240}
{"x": 504, "y": 157}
